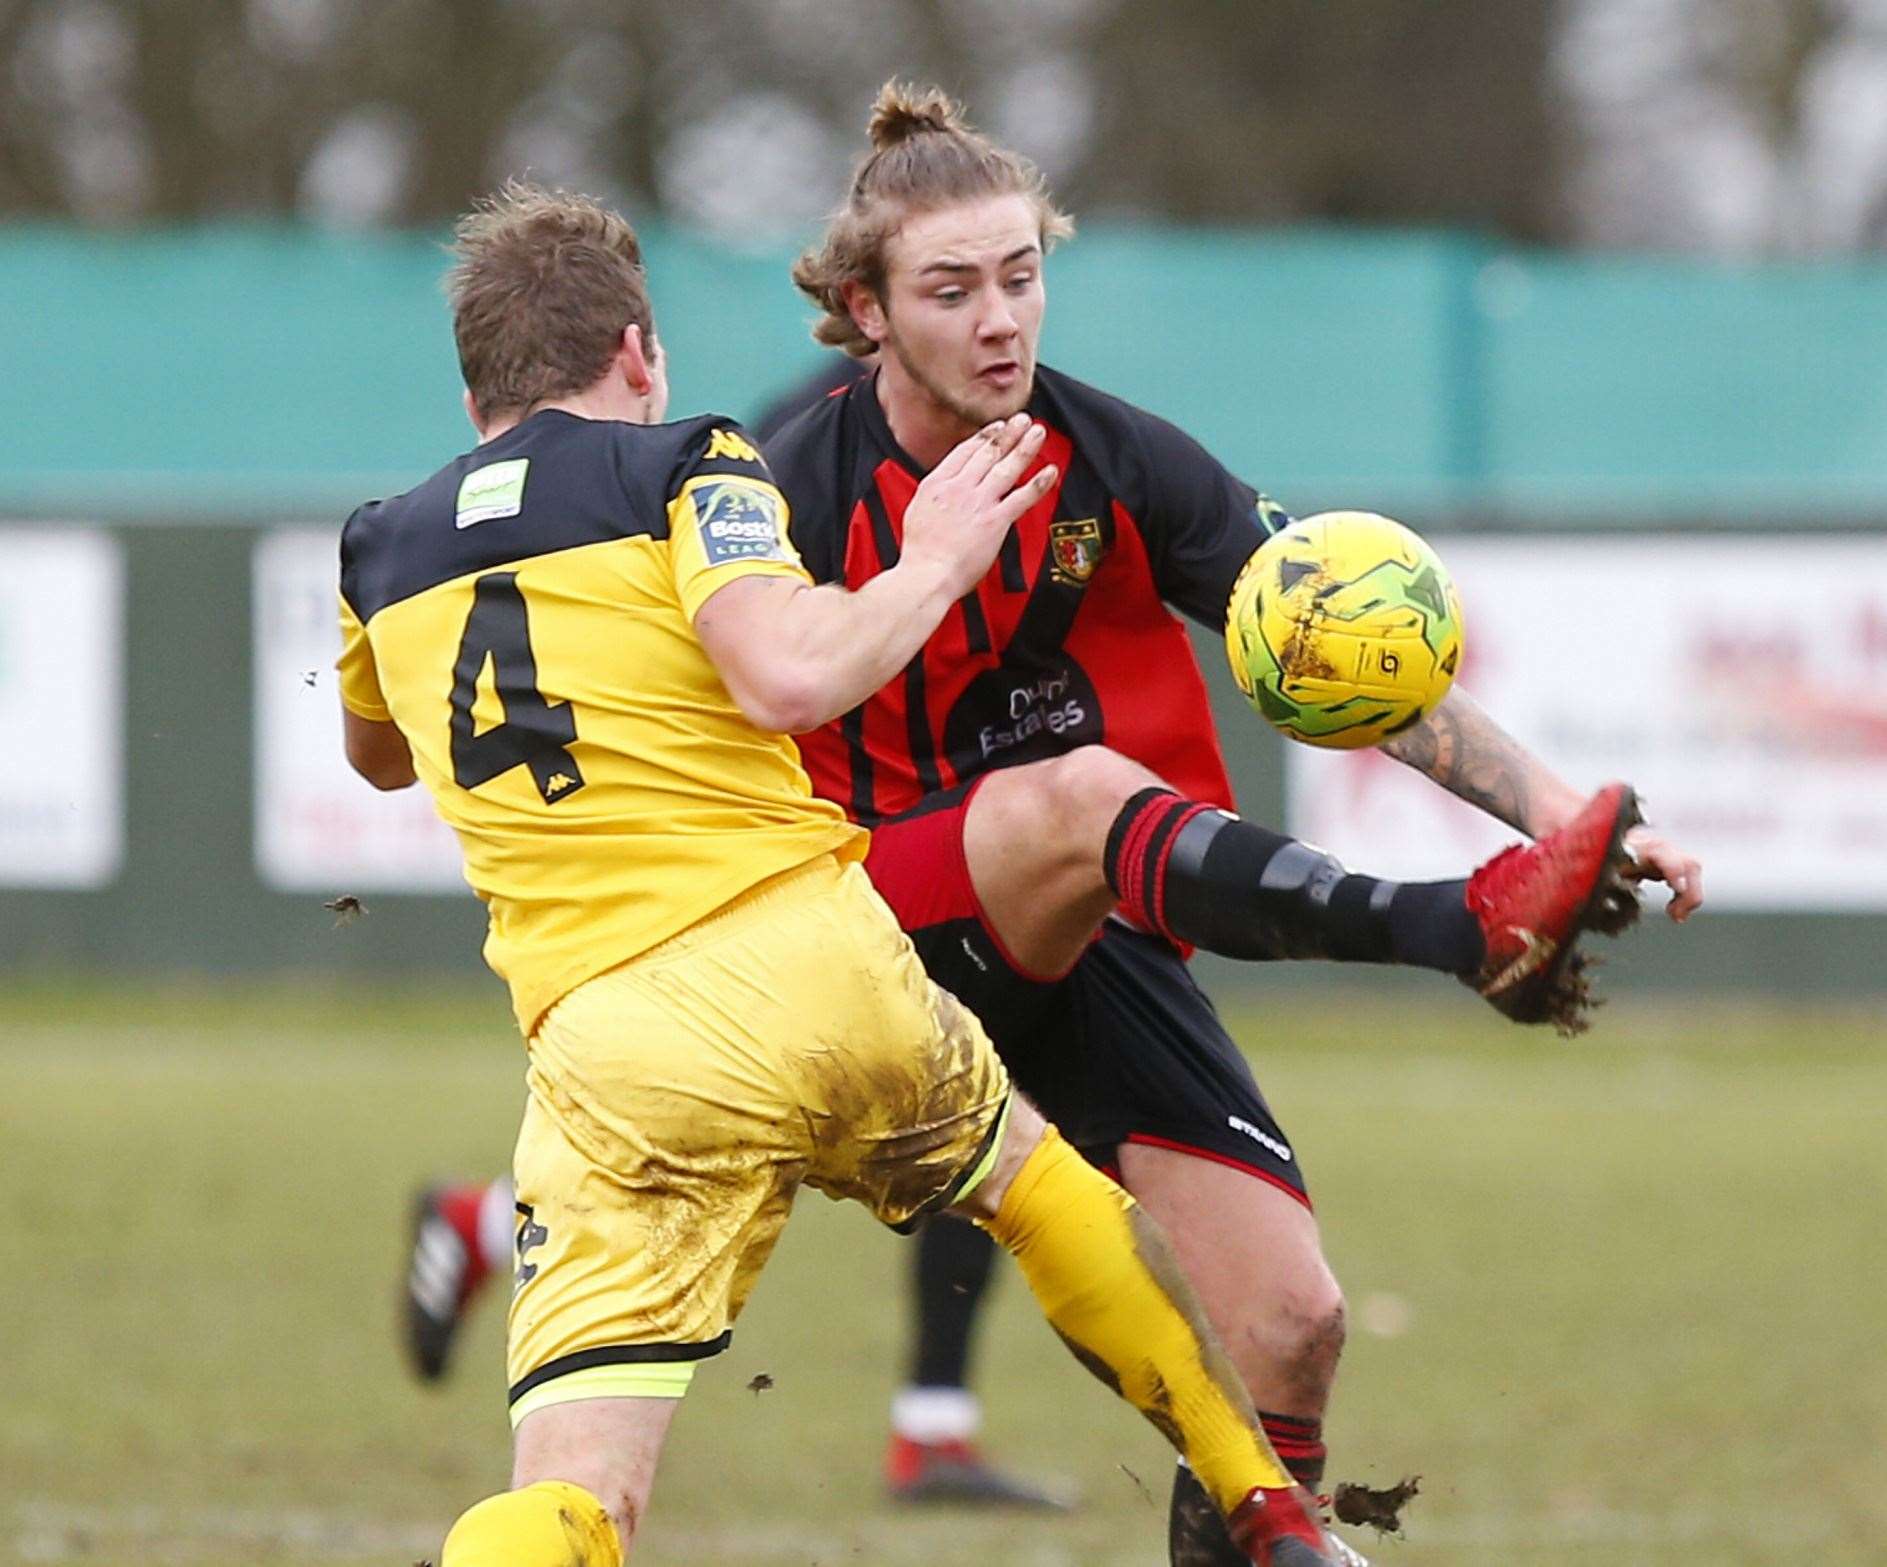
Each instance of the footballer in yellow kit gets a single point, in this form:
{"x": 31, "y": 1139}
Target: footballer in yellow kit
{"x": 694, "y": 953}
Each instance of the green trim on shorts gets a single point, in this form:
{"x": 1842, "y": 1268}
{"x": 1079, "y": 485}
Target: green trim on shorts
{"x": 980, "y": 1172}
{"x": 651, "y": 1379}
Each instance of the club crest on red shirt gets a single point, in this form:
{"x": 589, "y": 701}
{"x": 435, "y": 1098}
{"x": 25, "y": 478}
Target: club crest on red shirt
{"x": 1076, "y": 548}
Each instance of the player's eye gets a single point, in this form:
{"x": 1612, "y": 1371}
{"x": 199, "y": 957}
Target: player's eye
{"x": 951, "y": 296}
{"x": 1020, "y": 281}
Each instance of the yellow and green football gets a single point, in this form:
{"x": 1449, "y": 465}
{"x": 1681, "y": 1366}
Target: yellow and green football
{"x": 1344, "y": 629}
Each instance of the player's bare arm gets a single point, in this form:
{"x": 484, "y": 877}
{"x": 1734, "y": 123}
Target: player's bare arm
{"x": 794, "y": 657}
{"x": 1472, "y": 757}
{"x": 378, "y": 752}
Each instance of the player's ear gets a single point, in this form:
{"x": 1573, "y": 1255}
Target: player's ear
{"x": 866, "y": 309}
{"x": 645, "y": 370}
{"x": 637, "y": 360}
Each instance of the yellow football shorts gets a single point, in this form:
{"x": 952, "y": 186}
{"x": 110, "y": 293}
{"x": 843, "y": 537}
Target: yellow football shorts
{"x": 677, "y": 1103}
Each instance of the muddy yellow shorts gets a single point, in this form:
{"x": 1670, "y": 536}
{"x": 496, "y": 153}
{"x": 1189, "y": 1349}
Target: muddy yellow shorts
{"x": 679, "y": 1101}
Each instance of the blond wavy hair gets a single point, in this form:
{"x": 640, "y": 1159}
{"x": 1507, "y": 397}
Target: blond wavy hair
{"x": 924, "y": 155}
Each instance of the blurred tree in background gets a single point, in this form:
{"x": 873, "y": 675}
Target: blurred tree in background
{"x": 1340, "y": 109}
{"x": 1734, "y": 125}
{"x": 1742, "y": 126}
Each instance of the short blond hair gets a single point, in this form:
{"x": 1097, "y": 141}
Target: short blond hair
{"x": 543, "y": 284}
{"x": 924, "y": 155}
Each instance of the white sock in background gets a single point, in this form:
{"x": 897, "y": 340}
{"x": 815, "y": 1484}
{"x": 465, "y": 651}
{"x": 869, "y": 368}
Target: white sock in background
{"x": 936, "y": 1414}
{"x": 498, "y": 1225}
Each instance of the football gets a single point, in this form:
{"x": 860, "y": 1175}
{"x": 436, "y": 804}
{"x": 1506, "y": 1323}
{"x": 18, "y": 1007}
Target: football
{"x": 1344, "y": 629}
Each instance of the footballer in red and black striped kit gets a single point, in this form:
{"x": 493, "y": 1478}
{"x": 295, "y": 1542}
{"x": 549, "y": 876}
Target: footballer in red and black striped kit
{"x": 1052, "y": 820}
{"x": 1068, "y": 642}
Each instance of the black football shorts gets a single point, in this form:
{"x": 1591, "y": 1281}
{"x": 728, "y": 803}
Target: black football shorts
{"x": 1124, "y": 1048}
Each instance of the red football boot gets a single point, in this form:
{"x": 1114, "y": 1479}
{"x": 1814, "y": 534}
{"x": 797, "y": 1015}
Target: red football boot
{"x": 958, "y": 1473}
{"x": 1280, "y": 1529}
{"x": 1535, "y": 900}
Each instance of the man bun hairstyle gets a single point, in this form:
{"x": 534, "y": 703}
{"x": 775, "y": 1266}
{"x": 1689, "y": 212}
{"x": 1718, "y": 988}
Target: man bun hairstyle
{"x": 543, "y": 284}
{"x": 902, "y": 112}
{"x": 924, "y": 155}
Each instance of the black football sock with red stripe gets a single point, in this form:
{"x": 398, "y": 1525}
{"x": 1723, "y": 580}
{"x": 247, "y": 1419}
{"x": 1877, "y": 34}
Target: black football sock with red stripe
{"x": 1195, "y": 1533}
{"x": 1298, "y": 1440}
{"x": 1202, "y": 877}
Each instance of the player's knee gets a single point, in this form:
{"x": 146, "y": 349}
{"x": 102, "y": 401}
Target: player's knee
{"x": 1289, "y": 1342}
{"x": 1085, "y": 789}
{"x": 1312, "y": 1342}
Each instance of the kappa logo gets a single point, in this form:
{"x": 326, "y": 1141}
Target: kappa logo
{"x": 739, "y": 520}
{"x": 1075, "y": 549}
{"x": 557, "y": 783}
{"x": 732, "y": 445}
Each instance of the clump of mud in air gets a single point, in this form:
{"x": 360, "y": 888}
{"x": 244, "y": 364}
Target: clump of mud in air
{"x": 1381, "y": 1510}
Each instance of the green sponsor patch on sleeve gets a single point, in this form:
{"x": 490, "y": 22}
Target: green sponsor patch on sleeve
{"x": 496, "y": 490}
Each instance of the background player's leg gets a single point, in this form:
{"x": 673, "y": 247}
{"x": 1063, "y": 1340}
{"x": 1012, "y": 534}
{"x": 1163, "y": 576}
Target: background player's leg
{"x": 1253, "y": 1254}
{"x": 933, "y": 1455}
{"x": 462, "y": 1236}
{"x": 935, "y": 1417}
{"x": 951, "y": 1271}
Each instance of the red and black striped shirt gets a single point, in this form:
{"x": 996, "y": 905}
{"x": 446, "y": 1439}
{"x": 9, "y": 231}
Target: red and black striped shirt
{"x": 1068, "y": 640}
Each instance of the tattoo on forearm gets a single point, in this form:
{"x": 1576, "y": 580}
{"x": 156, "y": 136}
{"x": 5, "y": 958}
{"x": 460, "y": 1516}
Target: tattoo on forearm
{"x": 1470, "y": 757}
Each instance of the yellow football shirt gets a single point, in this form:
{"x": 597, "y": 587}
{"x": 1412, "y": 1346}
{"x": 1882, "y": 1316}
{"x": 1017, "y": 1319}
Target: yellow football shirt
{"x": 526, "y": 618}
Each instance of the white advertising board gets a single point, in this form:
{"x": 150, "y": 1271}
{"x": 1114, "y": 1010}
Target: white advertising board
{"x": 1740, "y": 684}
{"x": 319, "y": 827}
{"x": 61, "y": 707}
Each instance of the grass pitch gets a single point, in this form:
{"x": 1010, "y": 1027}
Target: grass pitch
{"x": 1616, "y": 1301}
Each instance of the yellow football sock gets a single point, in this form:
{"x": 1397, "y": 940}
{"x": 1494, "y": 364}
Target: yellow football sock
{"x": 550, "y": 1524}
{"x": 1107, "y": 1282}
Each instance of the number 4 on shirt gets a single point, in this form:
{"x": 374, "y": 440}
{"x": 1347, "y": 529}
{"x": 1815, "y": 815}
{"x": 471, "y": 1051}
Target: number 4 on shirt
{"x": 534, "y": 734}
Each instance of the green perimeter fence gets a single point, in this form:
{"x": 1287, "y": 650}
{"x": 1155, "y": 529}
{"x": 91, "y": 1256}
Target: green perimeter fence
{"x": 183, "y": 394}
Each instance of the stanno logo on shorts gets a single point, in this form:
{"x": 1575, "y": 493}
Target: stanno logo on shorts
{"x": 1239, "y": 1124}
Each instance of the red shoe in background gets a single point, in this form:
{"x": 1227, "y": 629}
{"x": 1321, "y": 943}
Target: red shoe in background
{"x": 957, "y": 1472}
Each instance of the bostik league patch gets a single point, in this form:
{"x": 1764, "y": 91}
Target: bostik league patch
{"x": 739, "y": 520}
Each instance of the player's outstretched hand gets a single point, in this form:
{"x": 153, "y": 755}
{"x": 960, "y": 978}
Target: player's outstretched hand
{"x": 1658, "y": 859}
{"x": 965, "y": 507}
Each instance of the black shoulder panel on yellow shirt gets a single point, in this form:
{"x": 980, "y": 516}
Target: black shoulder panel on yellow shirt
{"x": 554, "y": 482}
